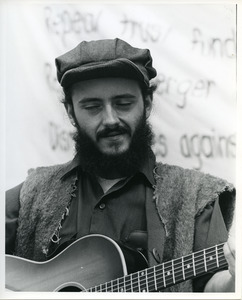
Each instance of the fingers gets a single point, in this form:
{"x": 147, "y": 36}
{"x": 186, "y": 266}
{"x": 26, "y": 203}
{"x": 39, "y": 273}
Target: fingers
{"x": 229, "y": 253}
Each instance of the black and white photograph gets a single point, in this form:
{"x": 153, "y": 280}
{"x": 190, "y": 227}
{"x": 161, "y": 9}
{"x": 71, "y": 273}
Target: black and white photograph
{"x": 119, "y": 157}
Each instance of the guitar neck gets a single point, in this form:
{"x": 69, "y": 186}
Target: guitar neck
{"x": 168, "y": 273}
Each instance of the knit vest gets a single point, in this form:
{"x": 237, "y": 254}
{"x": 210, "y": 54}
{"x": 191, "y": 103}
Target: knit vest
{"x": 179, "y": 196}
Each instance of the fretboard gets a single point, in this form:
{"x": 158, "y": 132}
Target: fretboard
{"x": 168, "y": 273}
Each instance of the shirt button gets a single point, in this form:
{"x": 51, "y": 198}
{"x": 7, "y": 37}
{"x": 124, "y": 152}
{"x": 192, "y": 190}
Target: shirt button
{"x": 102, "y": 206}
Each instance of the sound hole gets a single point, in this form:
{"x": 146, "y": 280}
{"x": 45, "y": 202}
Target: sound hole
{"x": 70, "y": 288}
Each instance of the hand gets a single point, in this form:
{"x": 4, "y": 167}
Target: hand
{"x": 229, "y": 250}
{"x": 224, "y": 281}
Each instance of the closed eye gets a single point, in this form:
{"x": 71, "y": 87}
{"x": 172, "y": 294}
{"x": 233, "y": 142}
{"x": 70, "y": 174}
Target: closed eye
{"x": 90, "y": 107}
{"x": 124, "y": 103}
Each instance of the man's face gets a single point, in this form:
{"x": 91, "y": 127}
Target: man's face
{"x": 108, "y": 110}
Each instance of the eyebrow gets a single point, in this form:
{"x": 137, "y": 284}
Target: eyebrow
{"x": 126, "y": 95}
{"x": 116, "y": 97}
{"x": 88, "y": 99}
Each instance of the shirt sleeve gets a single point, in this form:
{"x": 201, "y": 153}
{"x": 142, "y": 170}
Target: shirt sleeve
{"x": 11, "y": 218}
{"x": 210, "y": 230}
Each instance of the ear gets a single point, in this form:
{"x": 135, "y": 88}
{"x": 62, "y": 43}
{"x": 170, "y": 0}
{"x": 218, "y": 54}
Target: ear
{"x": 148, "y": 106}
{"x": 70, "y": 111}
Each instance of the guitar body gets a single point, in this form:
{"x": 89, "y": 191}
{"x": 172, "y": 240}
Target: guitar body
{"x": 87, "y": 262}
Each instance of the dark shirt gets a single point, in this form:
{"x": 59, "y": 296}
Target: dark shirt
{"x": 119, "y": 214}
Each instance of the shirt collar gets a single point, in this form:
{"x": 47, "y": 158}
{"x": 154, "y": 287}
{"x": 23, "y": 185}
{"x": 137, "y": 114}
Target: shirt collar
{"x": 73, "y": 165}
{"x": 146, "y": 169}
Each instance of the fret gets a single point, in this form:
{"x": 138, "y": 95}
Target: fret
{"x": 103, "y": 287}
{"x": 199, "y": 262}
{"x": 173, "y": 273}
{"x": 216, "y": 250}
{"x": 109, "y": 286}
{"x": 131, "y": 283}
{"x": 153, "y": 274}
{"x": 193, "y": 264}
{"x": 121, "y": 285}
{"x": 124, "y": 283}
{"x": 158, "y": 274}
{"x": 128, "y": 283}
{"x": 146, "y": 278}
{"x": 155, "y": 279}
{"x": 135, "y": 280}
{"x": 139, "y": 281}
{"x": 222, "y": 260}
{"x": 178, "y": 270}
{"x": 114, "y": 285}
{"x": 150, "y": 277}
{"x": 204, "y": 259}
{"x": 183, "y": 272}
{"x": 164, "y": 277}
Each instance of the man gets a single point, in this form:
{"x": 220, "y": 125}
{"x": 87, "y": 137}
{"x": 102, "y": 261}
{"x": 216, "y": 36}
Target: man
{"x": 114, "y": 186}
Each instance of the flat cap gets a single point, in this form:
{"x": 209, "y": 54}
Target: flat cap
{"x": 104, "y": 58}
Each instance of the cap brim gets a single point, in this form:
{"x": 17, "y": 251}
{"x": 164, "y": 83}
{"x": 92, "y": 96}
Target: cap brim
{"x": 116, "y": 68}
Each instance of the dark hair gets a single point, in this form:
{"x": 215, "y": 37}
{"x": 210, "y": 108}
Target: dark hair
{"x": 147, "y": 91}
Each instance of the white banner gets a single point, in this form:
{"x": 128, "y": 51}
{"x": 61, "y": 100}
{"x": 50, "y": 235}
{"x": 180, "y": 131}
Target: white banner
{"x": 194, "y": 52}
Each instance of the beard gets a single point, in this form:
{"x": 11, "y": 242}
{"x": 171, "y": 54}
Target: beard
{"x": 127, "y": 163}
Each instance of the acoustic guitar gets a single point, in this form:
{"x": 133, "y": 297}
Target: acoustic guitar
{"x": 95, "y": 263}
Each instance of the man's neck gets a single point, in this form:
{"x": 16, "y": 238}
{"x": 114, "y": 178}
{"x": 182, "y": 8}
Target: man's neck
{"x": 106, "y": 184}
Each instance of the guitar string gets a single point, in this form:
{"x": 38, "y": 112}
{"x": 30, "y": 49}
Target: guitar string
{"x": 169, "y": 280}
{"x": 199, "y": 268}
{"x": 210, "y": 256}
{"x": 189, "y": 275}
{"x": 162, "y": 265}
{"x": 159, "y": 280}
{"x": 158, "y": 276}
{"x": 141, "y": 282}
{"x": 188, "y": 259}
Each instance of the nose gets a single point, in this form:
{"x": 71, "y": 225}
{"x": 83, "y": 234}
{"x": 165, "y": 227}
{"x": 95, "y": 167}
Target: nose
{"x": 110, "y": 116}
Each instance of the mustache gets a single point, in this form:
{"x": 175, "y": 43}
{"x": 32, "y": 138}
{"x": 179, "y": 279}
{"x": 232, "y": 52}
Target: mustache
{"x": 116, "y": 129}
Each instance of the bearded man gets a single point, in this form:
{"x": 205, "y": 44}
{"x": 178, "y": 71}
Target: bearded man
{"x": 114, "y": 186}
